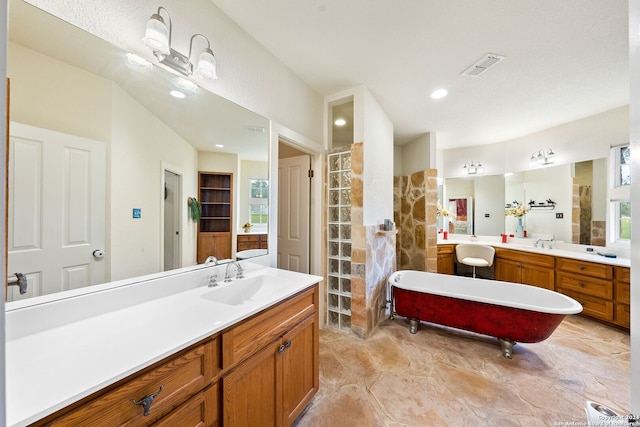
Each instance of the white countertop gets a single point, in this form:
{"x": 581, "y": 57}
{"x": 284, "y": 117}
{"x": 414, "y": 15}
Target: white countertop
{"x": 51, "y": 368}
{"x": 560, "y": 249}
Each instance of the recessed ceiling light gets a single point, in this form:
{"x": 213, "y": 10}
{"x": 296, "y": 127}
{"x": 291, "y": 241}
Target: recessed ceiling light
{"x": 219, "y": 146}
{"x": 439, "y": 93}
{"x": 340, "y": 122}
{"x": 177, "y": 94}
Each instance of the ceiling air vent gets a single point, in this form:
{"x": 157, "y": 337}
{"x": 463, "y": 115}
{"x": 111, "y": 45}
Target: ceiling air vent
{"x": 486, "y": 62}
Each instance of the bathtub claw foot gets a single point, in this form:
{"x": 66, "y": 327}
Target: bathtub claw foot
{"x": 507, "y": 347}
{"x": 413, "y": 326}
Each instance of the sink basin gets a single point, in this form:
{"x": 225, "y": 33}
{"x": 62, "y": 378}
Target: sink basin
{"x": 240, "y": 291}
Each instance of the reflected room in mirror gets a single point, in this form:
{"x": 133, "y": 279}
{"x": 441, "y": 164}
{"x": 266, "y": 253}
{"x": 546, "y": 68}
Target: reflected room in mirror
{"x": 103, "y": 160}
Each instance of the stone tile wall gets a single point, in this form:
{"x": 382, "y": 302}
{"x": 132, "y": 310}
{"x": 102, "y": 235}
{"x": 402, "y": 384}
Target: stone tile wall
{"x": 373, "y": 258}
{"x": 415, "y": 212}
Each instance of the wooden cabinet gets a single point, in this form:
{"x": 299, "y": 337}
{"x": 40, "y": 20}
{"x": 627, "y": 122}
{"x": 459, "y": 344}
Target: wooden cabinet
{"x": 174, "y": 381}
{"x": 214, "y": 228}
{"x": 589, "y": 283}
{"x": 261, "y": 371}
{"x": 275, "y": 359}
{"x": 622, "y": 297}
{"x": 446, "y": 263}
{"x": 251, "y": 241}
{"x": 524, "y": 267}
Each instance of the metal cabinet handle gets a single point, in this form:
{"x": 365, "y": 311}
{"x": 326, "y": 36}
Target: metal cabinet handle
{"x": 281, "y": 349}
{"x": 287, "y": 344}
{"x": 581, "y": 267}
{"x": 146, "y": 401}
{"x": 581, "y": 284}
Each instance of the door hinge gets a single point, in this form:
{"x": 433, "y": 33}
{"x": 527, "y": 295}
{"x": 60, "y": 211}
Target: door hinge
{"x": 310, "y": 173}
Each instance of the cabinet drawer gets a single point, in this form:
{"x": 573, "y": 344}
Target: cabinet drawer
{"x": 200, "y": 410}
{"x": 623, "y": 315}
{"x": 594, "y": 269}
{"x": 180, "y": 377}
{"x": 594, "y": 307}
{"x": 445, "y": 249}
{"x": 261, "y": 329}
{"x": 622, "y": 274}
{"x": 585, "y": 284}
{"x": 527, "y": 257}
{"x": 623, "y": 293}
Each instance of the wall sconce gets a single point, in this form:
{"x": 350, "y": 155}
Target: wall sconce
{"x": 473, "y": 167}
{"x": 157, "y": 37}
{"x": 543, "y": 157}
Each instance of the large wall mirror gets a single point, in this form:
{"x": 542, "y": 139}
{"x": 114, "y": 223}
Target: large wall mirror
{"x": 550, "y": 192}
{"x": 131, "y": 152}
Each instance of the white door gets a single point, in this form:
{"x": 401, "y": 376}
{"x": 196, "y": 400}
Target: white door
{"x": 293, "y": 213}
{"x": 56, "y": 210}
{"x": 172, "y": 257}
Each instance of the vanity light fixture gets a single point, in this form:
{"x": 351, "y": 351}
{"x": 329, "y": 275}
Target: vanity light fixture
{"x": 473, "y": 167}
{"x": 157, "y": 37}
{"x": 340, "y": 122}
{"x": 543, "y": 157}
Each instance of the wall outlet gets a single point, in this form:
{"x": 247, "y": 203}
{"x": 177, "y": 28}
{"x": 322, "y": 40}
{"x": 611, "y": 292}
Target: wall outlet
{"x": 559, "y": 215}
{"x": 487, "y": 215}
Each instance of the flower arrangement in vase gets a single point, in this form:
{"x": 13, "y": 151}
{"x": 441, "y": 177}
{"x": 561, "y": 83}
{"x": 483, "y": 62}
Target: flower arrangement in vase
{"x": 247, "y": 227}
{"x": 518, "y": 210}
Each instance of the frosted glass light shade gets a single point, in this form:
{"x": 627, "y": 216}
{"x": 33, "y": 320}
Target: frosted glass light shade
{"x": 156, "y": 36}
{"x": 206, "y": 66}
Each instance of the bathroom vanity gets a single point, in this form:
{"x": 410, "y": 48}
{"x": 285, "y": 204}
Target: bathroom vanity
{"x": 188, "y": 353}
{"x": 600, "y": 284}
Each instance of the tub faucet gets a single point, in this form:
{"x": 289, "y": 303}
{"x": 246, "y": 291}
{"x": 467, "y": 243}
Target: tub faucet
{"x": 239, "y": 272}
{"x": 211, "y": 260}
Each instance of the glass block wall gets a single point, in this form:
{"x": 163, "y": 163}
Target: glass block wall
{"x": 339, "y": 241}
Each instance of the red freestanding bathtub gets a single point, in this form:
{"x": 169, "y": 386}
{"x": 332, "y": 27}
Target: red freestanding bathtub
{"x": 510, "y": 312}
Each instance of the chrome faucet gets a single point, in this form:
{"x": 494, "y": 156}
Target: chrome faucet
{"x": 211, "y": 260}
{"x": 239, "y": 272}
{"x": 539, "y": 241}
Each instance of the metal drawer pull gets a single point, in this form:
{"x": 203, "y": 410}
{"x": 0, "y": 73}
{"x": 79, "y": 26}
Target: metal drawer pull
{"x": 581, "y": 267}
{"x": 146, "y": 401}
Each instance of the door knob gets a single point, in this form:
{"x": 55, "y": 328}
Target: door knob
{"x": 98, "y": 253}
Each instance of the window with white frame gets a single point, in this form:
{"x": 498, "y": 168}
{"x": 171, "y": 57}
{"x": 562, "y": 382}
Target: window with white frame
{"x": 620, "y": 195}
{"x": 258, "y": 201}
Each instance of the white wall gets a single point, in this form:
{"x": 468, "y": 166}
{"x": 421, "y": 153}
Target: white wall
{"x": 3, "y": 178}
{"x": 416, "y": 155}
{"x": 489, "y": 200}
{"x": 378, "y": 161}
{"x": 141, "y": 147}
{"x": 585, "y": 139}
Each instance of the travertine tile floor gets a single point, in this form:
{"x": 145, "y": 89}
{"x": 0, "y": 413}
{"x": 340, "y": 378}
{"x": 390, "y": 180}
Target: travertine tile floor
{"x": 446, "y": 377}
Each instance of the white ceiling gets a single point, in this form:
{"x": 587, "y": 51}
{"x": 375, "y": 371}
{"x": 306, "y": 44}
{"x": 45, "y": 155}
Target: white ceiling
{"x": 565, "y": 59}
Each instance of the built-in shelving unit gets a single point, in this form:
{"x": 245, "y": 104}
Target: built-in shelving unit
{"x": 214, "y": 228}
{"x": 339, "y": 241}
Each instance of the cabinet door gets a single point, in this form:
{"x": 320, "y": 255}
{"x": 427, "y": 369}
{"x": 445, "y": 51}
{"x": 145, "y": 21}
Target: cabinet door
{"x": 200, "y": 410}
{"x": 542, "y": 277}
{"x": 300, "y": 374}
{"x": 508, "y": 271}
{"x": 249, "y": 395}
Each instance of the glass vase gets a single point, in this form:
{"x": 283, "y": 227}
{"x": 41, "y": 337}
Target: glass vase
{"x": 519, "y": 228}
